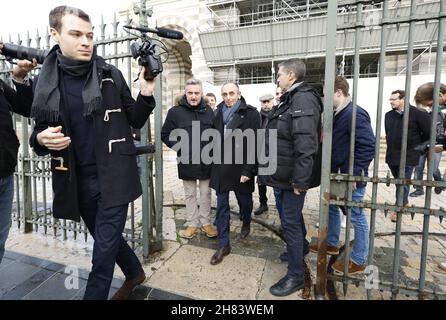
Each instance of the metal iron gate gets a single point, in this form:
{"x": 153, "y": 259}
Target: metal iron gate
{"x": 33, "y": 197}
{"x": 330, "y": 182}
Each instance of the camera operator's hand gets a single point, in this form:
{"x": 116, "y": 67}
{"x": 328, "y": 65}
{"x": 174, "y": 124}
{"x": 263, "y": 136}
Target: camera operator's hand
{"x": 53, "y": 139}
{"x": 22, "y": 68}
{"x": 147, "y": 86}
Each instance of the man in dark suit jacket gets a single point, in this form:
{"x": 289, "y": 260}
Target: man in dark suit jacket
{"x": 233, "y": 115}
{"x": 418, "y": 132}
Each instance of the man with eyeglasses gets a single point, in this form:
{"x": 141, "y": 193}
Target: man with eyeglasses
{"x": 418, "y": 132}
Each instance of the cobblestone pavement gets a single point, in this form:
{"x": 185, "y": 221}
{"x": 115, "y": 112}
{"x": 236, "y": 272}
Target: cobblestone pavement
{"x": 264, "y": 243}
{"x": 182, "y": 267}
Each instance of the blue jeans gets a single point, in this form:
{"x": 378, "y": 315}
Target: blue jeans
{"x": 106, "y": 226}
{"x": 407, "y": 175}
{"x": 420, "y": 168}
{"x": 223, "y": 214}
{"x": 6, "y": 196}
{"x": 361, "y": 244}
{"x": 293, "y": 225}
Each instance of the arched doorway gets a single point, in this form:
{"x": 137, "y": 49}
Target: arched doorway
{"x": 177, "y": 69}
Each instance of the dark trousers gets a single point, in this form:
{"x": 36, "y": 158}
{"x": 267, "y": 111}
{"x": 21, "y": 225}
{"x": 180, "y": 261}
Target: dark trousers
{"x": 106, "y": 227}
{"x": 407, "y": 175}
{"x": 293, "y": 225}
{"x": 420, "y": 168}
{"x": 262, "y": 194}
{"x": 223, "y": 214}
{"x": 6, "y": 197}
{"x": 278, "y": 197}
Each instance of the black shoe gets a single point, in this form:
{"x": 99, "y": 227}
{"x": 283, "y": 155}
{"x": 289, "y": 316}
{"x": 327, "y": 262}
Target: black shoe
{"x": 284, "y": 256}
{"x": 263, "y": 208}
{"x": 220, "y": 254}
{"x": 246, "y": 229}
{"x": 438, "y": 190}
{"x": 286, "y": 286}
{"x": 416, "y": 193}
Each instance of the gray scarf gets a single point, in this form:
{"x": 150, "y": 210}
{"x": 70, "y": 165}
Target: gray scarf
{"x": 46, "y": 104}
{"x": 228, "y": 113}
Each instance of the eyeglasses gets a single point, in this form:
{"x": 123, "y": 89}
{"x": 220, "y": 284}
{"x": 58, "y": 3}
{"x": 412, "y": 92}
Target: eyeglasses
{"x": 264, "y": 101}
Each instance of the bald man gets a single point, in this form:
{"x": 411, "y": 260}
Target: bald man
{"x": 233, "y": 114}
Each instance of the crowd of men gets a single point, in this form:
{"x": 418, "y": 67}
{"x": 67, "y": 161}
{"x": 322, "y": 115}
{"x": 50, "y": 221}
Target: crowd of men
{"x": 84, "y": 116}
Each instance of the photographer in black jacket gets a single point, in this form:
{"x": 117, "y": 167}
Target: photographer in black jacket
{"x": 19, "y": 102}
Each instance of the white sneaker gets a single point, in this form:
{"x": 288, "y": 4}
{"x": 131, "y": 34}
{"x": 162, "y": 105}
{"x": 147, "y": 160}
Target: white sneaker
{"x": 442, "y": 266}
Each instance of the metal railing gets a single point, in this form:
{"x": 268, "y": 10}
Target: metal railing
{"x": 333, "y": 181}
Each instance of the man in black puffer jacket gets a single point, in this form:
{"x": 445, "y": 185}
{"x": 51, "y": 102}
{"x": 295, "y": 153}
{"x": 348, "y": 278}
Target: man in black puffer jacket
{"x": 297, "y": 122}
{"x": 19, "y": 102}
{"x": 192, "y": 113}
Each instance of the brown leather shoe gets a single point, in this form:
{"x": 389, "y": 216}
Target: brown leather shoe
{"x": 188, "y": 233}
{"x": 332, "y": 251}
{"x": 220, "y": 254}
{"x": 210, "y": 230}
{"x": 246, "y": 229}
{"x": 353, "y": 268}
{"x": 127, "y": 288}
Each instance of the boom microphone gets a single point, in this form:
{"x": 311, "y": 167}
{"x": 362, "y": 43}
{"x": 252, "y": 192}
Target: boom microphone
{"x": 168, "y": 33}
{"x": 161, "y": 32}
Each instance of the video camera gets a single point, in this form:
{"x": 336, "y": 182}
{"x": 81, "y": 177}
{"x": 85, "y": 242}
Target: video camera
{"x": 14, "y": 51}
{"x": 145, "y": 51}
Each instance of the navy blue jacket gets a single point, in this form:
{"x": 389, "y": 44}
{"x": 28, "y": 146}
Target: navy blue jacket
{"x": 364, "y": 141}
